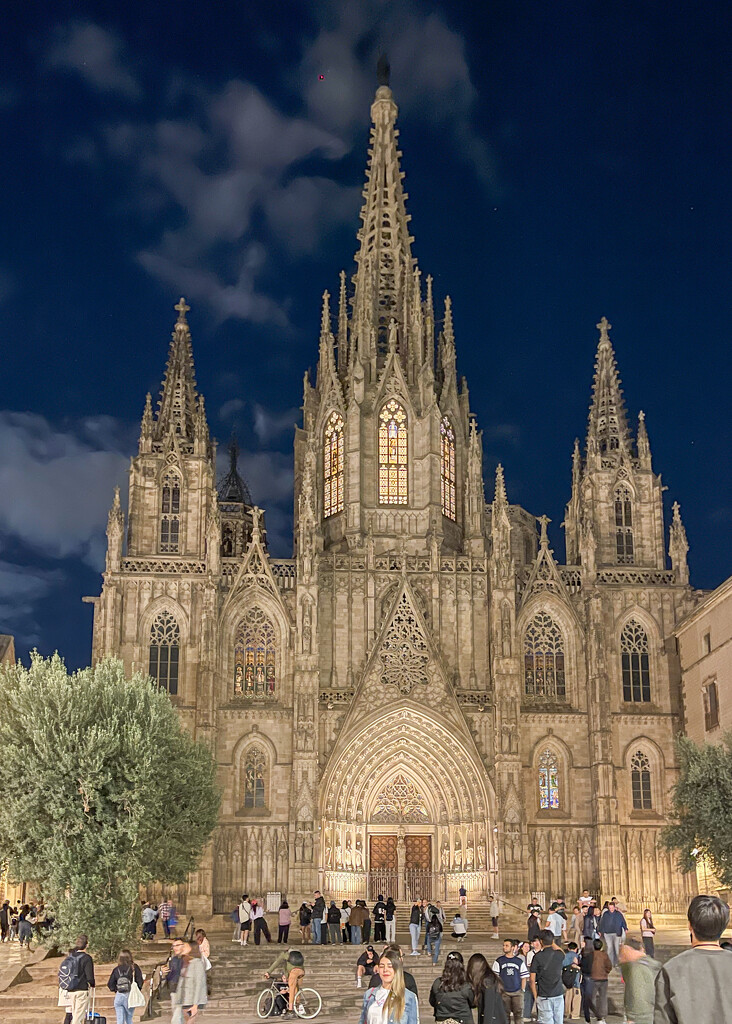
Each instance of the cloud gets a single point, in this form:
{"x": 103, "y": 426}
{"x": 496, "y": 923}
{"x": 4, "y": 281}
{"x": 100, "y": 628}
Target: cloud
{"x": 269, "y": 425}
{"x": 56, "y": 485}
{"x": 21, "y": 589}
{"x": 230, "y": 410}
{"x": 96, "y": 55}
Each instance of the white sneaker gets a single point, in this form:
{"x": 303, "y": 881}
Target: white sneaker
{"x": 358, "y": 983}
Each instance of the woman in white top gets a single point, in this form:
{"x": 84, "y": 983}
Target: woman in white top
{"x": 648, "y": 931}
{"x": 390, "y": 1002}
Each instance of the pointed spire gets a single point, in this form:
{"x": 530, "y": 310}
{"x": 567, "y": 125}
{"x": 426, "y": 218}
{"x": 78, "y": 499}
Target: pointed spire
{"x": 342, "y": 325}
{"x": 325, "y": 315}
{"x": 115, "y": 533}
{"x": 384, "y": 239}
{"x": 448, "y": 329}
{"x": 327, "y": 362}
{"x": 644, "y": 445}
{"x": 608, "y": 427}
{"x": 678, "y": 546}
{"x": 232, "y": 487}
{"x": 500, "y": 499}
{"x": 177, "y": 405}
{"x": 429, "y": 323}
{"x": 146, "y": 426}
{"x": 576, "y": 462}
{"x": 116, "y": 516}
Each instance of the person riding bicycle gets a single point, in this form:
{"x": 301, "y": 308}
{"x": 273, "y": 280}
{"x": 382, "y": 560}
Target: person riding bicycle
{"x": 291, "y": 980}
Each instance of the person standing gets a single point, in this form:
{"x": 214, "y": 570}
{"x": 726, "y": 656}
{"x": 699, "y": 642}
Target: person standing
{"x": 577, "y": 924}
{"x": 345, "y": 921}
{"x": 245, "y": 919}
{"x": 165, "y": 912}
{"x": 694, "y": 986}
{"x": 648, "y": 932}
{"x": 305, "y": 915}
{"x": 495, "y": 912}
{"x": 533, "y": 926}
{"x": 190, "y": 992}
{"x": 639, "y": 973}
{"x": 415, "y": 919}
{"x": 317, "y": 916}
{"x": 557, "y": 923}
{"x": 463, "y": 893}
{"x": 585, "y": 899}
{"x": 600, "y": 972}
{"x": 356, "y": 923}
{"x": 586, "y": 989}
{"x": 533, "y": 948}
{"x": 389, "y": 1002}
{"x": 25, "y": 928}
{"x": 260, "y": 923}
{"x": 572, "y": 993}
{"x": 487, "y": 991}
{"x": 546, "y": 980}
{"x": 334, "y": 922}
{"x": 433, "y": 934}
{"x": 366, "y": 923}
{"x": 513, "y": 974}
{"x": 4, "y": 921}
{"x": 452, "y": 994}
{"x": 390, "y": 920}
{"x": 284, "y": 921}
{"x": 120, "y": 982}
{"x": 380, "y": 919}
{"x": 612, "y": 929}
{"x": 82, "y": 980}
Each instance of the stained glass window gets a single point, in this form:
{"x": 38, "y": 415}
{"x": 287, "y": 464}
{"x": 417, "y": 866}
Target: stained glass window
{"x": 544, "y": 659}
{"x": 640, "y": 778}
{"x": 170, "y": 513}
{"x": 624, "y": 526}
{"x": 164, "y": 651}
{"x": 634, "y": 657}
{"x": 447, "y": 475}
{"x": 393, "y": 454}
{"x": 255, "y": 673}
{"x": 548, "y": 781}
{"x": 333, "y": 465}
{"x": 255, "y": 771}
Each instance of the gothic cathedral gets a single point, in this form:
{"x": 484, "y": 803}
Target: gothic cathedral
{"x": 423, "y": 696}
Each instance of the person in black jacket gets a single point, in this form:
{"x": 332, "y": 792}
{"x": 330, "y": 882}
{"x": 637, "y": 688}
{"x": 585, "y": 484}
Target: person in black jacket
{"x": 85, "y": 972}
{"x": 379, "y": 920}
{"x": 452, "y": 994}
{"x": 488, "y": 991}
{"x": 334, "y": 922}
{"x": 317, "y": 919}
{"x": 120, "y": 982}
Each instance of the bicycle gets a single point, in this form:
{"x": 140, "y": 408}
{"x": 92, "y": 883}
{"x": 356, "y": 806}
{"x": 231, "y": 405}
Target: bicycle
{"x": 306, "y": 1004}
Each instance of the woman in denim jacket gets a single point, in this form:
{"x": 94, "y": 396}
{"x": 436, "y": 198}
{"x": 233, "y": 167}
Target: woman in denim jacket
{"x": 390, "y": 1002}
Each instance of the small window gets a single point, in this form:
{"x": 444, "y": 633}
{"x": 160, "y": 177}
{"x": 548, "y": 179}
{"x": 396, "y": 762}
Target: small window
{"x": 640, "y": 777}
{"x": 624, "y": 527}
{"x": 164, "y": 652}
{"x": 170, "y": 514}
{"x": 333, "y": 466}
{"x": 393, "y": 454}
{"x": 255, "y": 770}
{"x": 548, "y": 781}
{"x": 707, "y": 643}
{"x": 711, "y": 706}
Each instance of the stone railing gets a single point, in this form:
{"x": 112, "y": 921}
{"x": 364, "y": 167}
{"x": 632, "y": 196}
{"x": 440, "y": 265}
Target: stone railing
{"x": 163, "y": 565}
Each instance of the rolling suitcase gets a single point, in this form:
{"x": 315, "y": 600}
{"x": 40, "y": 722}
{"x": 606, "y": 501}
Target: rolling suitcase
{"x": 92, "y": 1015}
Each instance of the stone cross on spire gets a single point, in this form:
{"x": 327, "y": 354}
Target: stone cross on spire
{"x": 603, "y": 327}
{"x": 182, "y": 308}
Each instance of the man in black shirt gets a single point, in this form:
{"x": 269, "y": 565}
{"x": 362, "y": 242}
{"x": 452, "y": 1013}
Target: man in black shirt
{"x": 85, "y": 980}
{"x": 546, "y": 980}
{"x": 380, "y": 920}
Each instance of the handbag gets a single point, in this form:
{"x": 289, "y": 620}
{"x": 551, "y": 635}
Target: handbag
{"x": 135, "y": 997}
{"x": 206, "y": 962}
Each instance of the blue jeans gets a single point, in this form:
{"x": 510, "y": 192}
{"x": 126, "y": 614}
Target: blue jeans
{"x": 550, "y": 1009}
{"x": 316, "y": 923}
{"x": 123, "y": 1011}
{"x": 356, "y": 934}
{"x": 528, "y": 1001}
{"x": 414, "y": 930}
{"x": 433, "y": 946}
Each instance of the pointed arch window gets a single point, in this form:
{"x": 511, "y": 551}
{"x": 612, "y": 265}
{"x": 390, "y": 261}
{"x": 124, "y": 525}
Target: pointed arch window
{"x": 164, "y": 651}
{"x": 447, "y": 473}
{"x": 170, "y": 513}
{"x": 640, "y": 780}
{"x": 254, "y": 776}
{"x": 393, "y": 454}
{"x": 635, "y": 663}
{"x": 255, "y": 657}
{"x": 544, "y": 659}
{"x": 333, "y": 465}
{"x": 624, "y": 543}
{"x": 548, "y": 781}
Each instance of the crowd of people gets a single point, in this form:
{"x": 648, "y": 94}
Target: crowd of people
{"x": 24, "y": 923}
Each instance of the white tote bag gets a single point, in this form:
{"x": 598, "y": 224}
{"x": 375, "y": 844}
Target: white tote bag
{"x": 135, "y": 997}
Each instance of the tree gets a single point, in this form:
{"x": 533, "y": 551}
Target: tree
{"x": 701, "y": 801}
{"x": 102, "y": 791}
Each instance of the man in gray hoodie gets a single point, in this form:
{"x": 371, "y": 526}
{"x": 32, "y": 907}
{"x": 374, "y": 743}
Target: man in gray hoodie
{"x": 695, "y": 985}
{"x": 639, "y": 974}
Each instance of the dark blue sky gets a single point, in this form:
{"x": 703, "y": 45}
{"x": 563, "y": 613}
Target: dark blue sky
{"x": 563, "y": 161}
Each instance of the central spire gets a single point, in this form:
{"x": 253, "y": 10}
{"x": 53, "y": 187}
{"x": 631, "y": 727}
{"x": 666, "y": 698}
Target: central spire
{"x": 608, "y": 426}
{"x": 384, "y": 259}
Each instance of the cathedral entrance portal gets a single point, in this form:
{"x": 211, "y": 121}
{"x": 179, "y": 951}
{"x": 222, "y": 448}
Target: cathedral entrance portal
{"x": 406, "y": 812}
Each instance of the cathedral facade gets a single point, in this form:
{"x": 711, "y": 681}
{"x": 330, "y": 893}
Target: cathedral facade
{"x": 423, "y": 696}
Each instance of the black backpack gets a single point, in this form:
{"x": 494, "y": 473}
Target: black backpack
{"x": 124, "y": 982}
{"x": 69, "y": 973}
{"x": 569, "y": 975}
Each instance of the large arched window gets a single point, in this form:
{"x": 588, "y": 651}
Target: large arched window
{"x": 640, "y": 780}
{"x": 170, "y": 513}
{"x": 164, "y": 657}
{"x": 254, "y": 777}
{"x": 634, "y": 657}
{"x": 333, "y": 465}
{"x": 624, "y": 526}
{"x": 548, "y": 781}
{"x": 447, "y": 471}
{"x": 544, "y": 659}
{"x": 255, "y": 656}
{"x": 393, "y": 454}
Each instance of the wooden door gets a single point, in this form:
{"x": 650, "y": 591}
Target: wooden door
{"x": 418, "y": 852}
{"x": 383, "y": 853}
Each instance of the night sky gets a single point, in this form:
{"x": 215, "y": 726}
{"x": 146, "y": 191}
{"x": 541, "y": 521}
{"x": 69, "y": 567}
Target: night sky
{"x": 564, "y": 161}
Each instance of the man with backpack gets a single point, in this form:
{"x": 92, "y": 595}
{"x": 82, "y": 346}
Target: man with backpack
{"x": 76, "y": 976}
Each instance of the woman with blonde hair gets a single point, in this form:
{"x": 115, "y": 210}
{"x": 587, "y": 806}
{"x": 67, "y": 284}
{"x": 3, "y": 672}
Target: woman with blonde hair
{"x": 391, "y": 1002}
